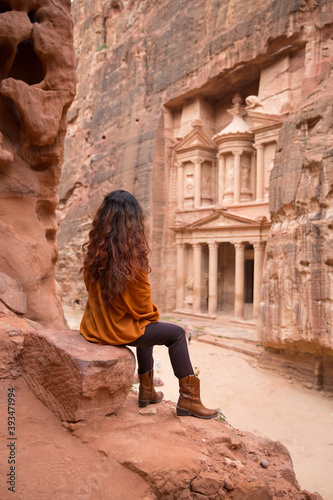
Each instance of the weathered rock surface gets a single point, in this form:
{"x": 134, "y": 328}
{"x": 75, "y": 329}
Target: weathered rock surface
{"x": 296, "y": 311}
{"x": 12, "y": 295}
{"x": 76, "y": 379}
{"x": 129, "y": 455}
{"x": 181, "y": 457}
{"x": 37, "y": 86}
{"x": 12, "y": 330}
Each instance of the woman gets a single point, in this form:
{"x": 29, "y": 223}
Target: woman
{"x": 120, "y": 310}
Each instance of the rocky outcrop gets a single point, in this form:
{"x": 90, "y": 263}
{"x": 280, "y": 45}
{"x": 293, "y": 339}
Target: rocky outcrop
{"x": 76, "y": 379}
{"x": 296, "y": 310}
{"x": 12, "y": 330}
{"x": 150, "y": 456}
{"x": 12, "y": 297}
{"x": 216, "y": 460}
{"x": 37, "y": 86}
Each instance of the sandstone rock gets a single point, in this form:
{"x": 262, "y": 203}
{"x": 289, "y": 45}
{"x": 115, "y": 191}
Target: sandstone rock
{"x": 37, "y": 85}
{"x": 296, "y": 315}
{"x": 187, "y": 464}
{"x": 76, "y": 379}
{"x": 12, "y": 331}
{"x": 11, "y": 294}
{"x": 207, "y": 484}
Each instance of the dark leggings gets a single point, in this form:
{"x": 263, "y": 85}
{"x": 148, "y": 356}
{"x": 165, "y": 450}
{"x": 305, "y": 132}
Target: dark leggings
{"x": 172, "y": 336}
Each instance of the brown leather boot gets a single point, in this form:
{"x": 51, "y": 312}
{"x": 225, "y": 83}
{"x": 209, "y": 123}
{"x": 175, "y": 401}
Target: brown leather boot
{"x": 189, "y": 403}
{"x": 147, "y": 393}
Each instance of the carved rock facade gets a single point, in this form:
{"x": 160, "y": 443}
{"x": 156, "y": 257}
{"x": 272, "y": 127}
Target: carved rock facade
{"x": 151, "y": 116}
{"x": 37, "y": 86}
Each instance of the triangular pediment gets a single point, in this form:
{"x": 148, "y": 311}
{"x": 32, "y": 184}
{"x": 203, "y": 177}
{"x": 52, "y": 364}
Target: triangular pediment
{"x": 196, "y": 139}
{"x": 221, "y": 218}
{"x": 262, "y": 120}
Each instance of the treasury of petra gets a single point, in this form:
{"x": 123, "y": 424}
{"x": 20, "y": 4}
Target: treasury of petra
{"x": 217, "y": 116}
{"x": 221, "y": 126}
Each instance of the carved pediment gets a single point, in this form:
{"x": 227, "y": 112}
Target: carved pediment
{"x": 222, "y": 218}
{"x": 263, "y": 120}
{"x": 196, "y": 139}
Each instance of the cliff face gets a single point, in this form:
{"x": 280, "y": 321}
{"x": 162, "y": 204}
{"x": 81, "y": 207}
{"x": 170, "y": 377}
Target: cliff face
{"x": 296, "y": 310}
{"x": 37, "y": 86}
{"x": 139, "y": 64}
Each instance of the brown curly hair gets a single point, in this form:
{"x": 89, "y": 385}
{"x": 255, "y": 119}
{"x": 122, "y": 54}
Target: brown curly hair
{"x": 117, "y": 249}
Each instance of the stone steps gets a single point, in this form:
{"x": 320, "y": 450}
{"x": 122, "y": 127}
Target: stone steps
{"x": 245, "y": 346}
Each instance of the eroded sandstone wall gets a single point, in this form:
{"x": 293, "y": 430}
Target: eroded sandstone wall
{"x": 137, "y": 64}
{"x": 37, "y": 86}
{"x": 296, "y": 310}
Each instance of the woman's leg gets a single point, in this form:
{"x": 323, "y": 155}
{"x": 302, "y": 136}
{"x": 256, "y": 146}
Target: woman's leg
{"x": 145, "y": 359}
{"x": 172, "y": 336}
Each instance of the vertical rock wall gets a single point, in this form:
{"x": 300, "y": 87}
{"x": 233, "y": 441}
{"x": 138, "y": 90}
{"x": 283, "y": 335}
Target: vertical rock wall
{"x": 37, "y": 86}
{"x": 296, "y": 312}
{"x": 137, "y": 63}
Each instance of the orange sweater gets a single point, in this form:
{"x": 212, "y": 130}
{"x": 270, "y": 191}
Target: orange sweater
{"x": 124, "y": 319}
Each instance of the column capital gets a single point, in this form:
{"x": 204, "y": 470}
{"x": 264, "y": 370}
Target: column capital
{"x": 258, "y": 146}
{"x": 258, "y": 245}
{"x": 213, "y": 245}
{"x": 237, "y": 152}
{"x": 199, "y": 160}
{"x": 239, "y": 245}
{"x": 180, "y": 245}
{"x": 196, "y": 246}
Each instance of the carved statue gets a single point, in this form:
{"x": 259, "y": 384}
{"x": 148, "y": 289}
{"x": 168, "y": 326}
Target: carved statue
{"x": 189, "y": 283}
{"x": 189, "y": 186}
{"x": 189, "y": 287}
{"x": 230, "y": 174}
{"x": 252, "y": 101}
{"x": 245, "y": 172}
{"x": 206, "y": 186}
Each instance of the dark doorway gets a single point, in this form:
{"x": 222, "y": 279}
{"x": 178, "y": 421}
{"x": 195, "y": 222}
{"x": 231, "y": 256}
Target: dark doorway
{"x": 249, "y": 271}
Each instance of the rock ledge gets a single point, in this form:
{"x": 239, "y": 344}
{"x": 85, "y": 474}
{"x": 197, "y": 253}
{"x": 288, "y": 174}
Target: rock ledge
{"x": 76, "y": 379}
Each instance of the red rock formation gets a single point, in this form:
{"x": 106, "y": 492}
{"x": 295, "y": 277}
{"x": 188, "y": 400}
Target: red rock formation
{"x": 149, "y": 454}
{"x": 88, "y": 380}
{"x": 296, "y": 312}
{"x": 37, "y": 86}
{"x": 139, "y": 63}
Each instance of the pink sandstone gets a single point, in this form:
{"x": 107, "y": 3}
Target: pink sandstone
{"x": 37, "y": 86}
{"x": 76, "y": 379}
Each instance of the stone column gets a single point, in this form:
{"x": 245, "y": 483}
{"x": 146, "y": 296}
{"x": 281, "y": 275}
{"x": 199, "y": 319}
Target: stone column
{"x": 239, "y": 279}
{"x": 259, "y": 252}
{"x": 197, "y": 183}
{"x": 197, "y": 277}
{"x": 260, "y": 172}
{"x": 212, "y": 278}
{"x": 221, "y": 177}
{"x": 237, "y": 179}
{"x": 180, "y": 276}
{"x": 180, "y": 179}
{"x": 253, "y": 176}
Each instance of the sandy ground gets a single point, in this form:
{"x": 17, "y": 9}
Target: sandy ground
{"x": 261, "y": 402}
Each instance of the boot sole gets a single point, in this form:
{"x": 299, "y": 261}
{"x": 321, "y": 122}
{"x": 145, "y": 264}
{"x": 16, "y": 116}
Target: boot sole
{"x": 187, "y": 413}
{"x": 143, "y": 404}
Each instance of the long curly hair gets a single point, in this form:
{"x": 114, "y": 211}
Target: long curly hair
{"x": 117, "y": 249}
